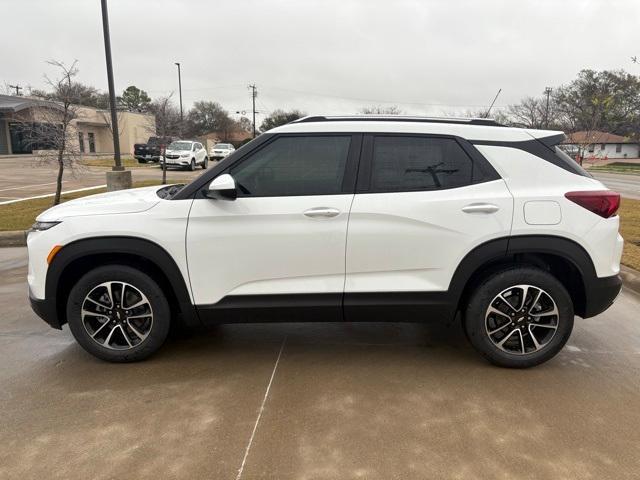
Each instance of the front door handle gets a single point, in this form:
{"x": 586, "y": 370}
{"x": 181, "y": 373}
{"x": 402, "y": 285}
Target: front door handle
{"x": 322, "y": 212}
{"x": 480, "y": 208}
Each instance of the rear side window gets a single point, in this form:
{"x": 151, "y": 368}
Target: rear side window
{"x": 292, "y": 166}
{"x": 407, "y": 163}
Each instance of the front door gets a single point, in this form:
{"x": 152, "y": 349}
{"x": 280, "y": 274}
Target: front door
{"x": 280, "y": 246}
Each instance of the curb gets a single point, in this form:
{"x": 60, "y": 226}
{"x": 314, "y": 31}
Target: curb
{"x": 13, "y": 239}
{"x": 630, "y": 278}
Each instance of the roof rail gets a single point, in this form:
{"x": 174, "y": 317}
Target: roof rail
{"x": 398, "y": 118}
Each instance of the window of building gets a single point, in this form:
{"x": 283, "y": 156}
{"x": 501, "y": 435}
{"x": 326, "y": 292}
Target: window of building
{"x": 290, "y": 166}
{"x": 618, "y": 147}
{"x": 81, "y": 141}
{"x": 602, "y": 146}
{"x": 591, "y": 148}
{"x": 418, "y": 163}
{"x": 92, "y": 142}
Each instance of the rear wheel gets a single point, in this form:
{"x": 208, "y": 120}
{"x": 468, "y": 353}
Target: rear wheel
{"x": 519, "y": 317}
{"x": 118, "y": 314}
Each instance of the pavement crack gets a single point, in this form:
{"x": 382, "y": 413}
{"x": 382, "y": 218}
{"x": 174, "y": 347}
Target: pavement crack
{"x": 264, "y": 401}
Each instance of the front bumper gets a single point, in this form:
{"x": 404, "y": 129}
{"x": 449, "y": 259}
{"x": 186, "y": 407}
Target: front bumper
{"x": 600, "y": 294}
{"x": 46, "y": 310}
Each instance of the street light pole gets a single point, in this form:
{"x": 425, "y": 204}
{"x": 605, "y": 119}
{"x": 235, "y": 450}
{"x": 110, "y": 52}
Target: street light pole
{"x": 112, "y": 94}
{"x": 180, "y": 92}
{"x": 547, "y": 92}
{"x": 254, "y": 94}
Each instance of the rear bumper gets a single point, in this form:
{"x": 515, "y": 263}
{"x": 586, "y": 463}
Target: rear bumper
{"x": 46, "y": 310}
{"x": 600, "y": 294}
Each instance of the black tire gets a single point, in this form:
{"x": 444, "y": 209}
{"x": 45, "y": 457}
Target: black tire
{"x": 159, "y": 326}
{"x": 477, "y": 319}
{"x": 142, "y": 161}
{"x": 192, "y": 165}
{"x": 205, "y": 164}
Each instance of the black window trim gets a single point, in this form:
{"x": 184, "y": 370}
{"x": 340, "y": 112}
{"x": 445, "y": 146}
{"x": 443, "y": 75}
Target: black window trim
{"x": 477, "y": 159}
{"x": 348, "y": 181}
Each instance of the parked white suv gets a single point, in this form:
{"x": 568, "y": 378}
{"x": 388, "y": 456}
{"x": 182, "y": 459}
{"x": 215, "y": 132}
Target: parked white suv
{"x": 343, "y": 219}
{"x": 221, "y": 150}
{"x": 186, "y": 153}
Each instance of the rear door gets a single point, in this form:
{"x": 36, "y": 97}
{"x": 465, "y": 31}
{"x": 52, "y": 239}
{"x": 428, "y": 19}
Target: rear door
{"x": 422, "y": 203}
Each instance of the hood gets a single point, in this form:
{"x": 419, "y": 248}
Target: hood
{"x": 177, "y": 152}
{"x": 123, "y": 201}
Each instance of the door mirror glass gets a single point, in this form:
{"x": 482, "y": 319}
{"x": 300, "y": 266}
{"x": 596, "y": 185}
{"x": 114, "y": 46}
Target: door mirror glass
{"x": 222, "y": 188}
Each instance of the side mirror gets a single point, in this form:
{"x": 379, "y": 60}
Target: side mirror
{"x": 222, "y": 188}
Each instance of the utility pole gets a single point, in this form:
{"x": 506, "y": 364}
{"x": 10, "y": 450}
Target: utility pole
{"x": 18, "y": 88}
{"x": 547, "y": 92}
{"x": 254, "y": 94}
{"x": 112, "y": 93}
{"x": 180, "y": 92}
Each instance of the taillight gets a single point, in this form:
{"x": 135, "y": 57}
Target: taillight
{"x": 601, "y": 202}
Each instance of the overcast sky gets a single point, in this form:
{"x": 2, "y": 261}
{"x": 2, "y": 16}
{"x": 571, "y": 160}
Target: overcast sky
{"x": 427, "y": 56}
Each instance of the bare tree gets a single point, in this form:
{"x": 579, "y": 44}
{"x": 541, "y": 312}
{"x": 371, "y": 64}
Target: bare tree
{"x": 167, "y": 124}
{"x": 380, "y": 110}
{"x": 49, "y": 130}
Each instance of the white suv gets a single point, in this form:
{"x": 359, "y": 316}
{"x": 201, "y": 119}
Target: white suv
{"x": 186, "y": 153}
{"x": 343, "y": 219}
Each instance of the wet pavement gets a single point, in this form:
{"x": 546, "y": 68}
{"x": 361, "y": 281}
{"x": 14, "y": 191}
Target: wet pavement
{"x": 315, "y": 401}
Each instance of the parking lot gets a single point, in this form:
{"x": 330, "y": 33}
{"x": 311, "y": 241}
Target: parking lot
{"x": 315, "y": 401}
{"x": 25, "y": 177}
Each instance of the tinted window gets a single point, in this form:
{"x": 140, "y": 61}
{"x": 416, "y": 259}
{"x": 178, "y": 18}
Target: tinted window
{"x": 294, "y": 166}
{"x": 418, "y": 163}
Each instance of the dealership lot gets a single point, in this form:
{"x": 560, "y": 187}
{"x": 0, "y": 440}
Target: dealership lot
{"x": 340, "y": 401}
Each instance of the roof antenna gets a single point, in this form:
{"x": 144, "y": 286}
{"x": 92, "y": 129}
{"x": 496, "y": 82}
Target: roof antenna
{"x": 486, "y": 115}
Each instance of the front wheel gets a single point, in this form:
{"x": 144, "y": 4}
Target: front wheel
{"x": 118, "y": 313}
{"x": 519, "y": 317}
{"x": 205, "y": 163}
{"x": 192, "y": 165}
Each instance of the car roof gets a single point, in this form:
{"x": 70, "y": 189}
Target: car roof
{"x": 469, "y": 128}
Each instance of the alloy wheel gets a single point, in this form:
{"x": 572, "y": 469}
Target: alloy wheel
{"x": 521, "y": 319}
{"x": 117, "y": 315}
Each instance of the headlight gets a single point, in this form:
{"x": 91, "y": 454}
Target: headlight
{"x": 41, "y": 226}
{"x": 184, "y": 154}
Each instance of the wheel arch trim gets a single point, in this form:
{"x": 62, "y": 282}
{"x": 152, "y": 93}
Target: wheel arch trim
{"x": 144, "y": 249}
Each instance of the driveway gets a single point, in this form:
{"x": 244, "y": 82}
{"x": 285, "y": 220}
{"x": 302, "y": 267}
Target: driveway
{"x": 627, "y": 185}
{"x": 315, "y": 401}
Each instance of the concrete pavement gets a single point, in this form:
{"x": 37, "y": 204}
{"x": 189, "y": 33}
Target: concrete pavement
{"x": 374, "y": 401}
{"x": 627, "y": 185}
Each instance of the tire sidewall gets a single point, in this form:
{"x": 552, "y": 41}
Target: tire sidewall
{"x": 140, "y": 280}
{"x": 474, "y": 321}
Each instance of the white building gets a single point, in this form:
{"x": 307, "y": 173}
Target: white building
{"x": 598, "y": 145}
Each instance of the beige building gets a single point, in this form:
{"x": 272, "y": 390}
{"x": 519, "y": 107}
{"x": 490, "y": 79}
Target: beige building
{"x": 91, "y": 129}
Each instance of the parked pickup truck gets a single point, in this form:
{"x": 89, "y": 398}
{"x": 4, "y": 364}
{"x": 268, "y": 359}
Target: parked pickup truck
{"x": 150, "y": 151}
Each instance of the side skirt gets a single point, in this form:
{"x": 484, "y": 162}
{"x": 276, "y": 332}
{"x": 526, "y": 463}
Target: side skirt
{"x": 330, "y": 307}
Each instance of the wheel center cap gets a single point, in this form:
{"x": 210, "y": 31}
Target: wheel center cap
{"x": 520, "y": 319}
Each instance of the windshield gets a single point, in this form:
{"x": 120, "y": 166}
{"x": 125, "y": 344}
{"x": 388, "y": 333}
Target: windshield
{"x": 224, "y": 146}
{"x": 180, "y": 146}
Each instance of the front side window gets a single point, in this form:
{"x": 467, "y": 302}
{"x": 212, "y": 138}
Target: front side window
{"x": 292, "y": 166}
{"x": 418, "y": 163}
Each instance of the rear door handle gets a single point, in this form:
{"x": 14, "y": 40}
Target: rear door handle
{"x": 322, "y": 212}
{"x": 480, "y": 208}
